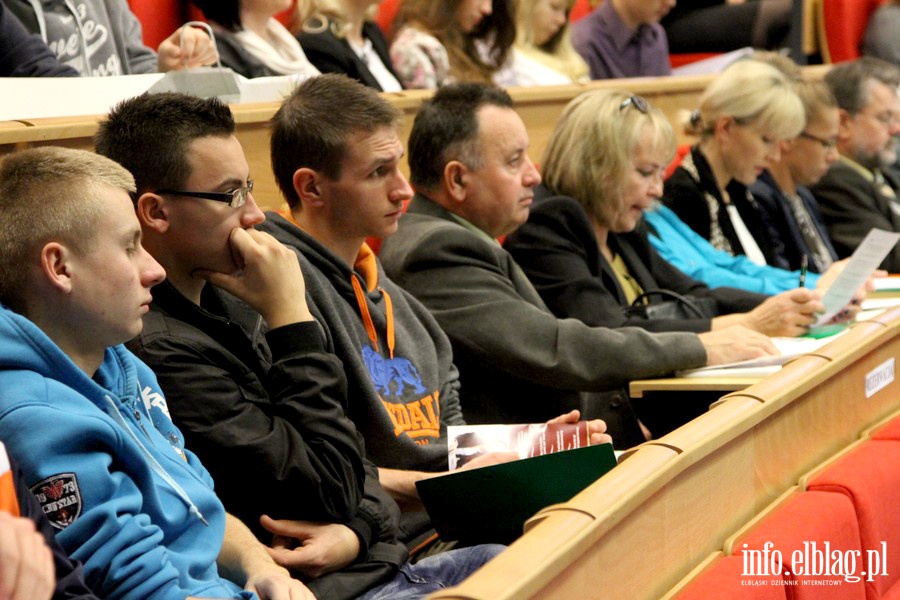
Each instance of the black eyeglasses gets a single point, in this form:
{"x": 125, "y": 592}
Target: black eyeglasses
{"x": 826, "y": 144}
{"x": 637, "y": 102}
{"x": 234, "y": 198}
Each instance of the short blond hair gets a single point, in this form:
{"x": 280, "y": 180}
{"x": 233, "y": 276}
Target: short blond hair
{"x": 48, "y": 195}
{"x": 752, "y": 92}
{"x": 594, "y": 143}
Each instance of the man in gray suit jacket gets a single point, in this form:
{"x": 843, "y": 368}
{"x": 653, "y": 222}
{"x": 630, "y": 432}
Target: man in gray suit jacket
{"x": 518, "y": 363}
{"x": 855, "y": 194}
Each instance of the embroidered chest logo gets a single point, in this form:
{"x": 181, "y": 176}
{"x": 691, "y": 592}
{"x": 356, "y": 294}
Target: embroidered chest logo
{"x": 60, "y": 498}
{"x": 394, "y": 378}
{"x": 156, "y": 404}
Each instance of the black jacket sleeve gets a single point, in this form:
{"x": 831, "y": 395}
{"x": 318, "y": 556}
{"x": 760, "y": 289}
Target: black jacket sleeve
{"x": 559, "y": 252}
{"x": 70, "y": 583}
{"x": 277, "y": 442}
{"x": 26, "y": 55}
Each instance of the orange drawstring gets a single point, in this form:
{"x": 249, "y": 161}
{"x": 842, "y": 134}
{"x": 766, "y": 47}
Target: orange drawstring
{"x": 368, "y": 269}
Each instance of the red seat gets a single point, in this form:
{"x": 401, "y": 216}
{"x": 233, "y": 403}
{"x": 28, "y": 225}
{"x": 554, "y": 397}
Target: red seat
{"x": 808, "y": 518}
{"x": 890, "y": 431}
{"x": 870, "y": 478}
{"x": 842, "y": 24}
{"x": 680, "y": 153}
{"x": 679, "y": 60}
{"x": 387, "y": 12}
{"x": 580, "y": 9}
{"x": 159, "y": 18}
{"x": 725, "y": 579}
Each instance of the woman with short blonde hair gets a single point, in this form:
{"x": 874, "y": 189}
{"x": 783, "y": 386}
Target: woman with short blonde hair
{"x": 745, "y": 114}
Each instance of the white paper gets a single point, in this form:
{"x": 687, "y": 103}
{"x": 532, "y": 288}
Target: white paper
{"x": 886, "y": 284}
{"x": 865, "y": 260}
{"x": 879, "y": 304}
{"x": 24, "y": 98}
{"x": 714, "y": 64}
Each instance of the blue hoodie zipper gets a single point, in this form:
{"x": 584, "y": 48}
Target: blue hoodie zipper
{"x": 116, "y": 414}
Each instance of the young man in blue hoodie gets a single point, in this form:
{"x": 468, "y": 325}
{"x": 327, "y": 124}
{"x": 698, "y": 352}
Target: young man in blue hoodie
{"x": 87, "y": 419}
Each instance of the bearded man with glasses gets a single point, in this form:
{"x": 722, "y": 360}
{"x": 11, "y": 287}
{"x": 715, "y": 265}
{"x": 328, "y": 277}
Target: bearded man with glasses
{"x": 856, "y": 194}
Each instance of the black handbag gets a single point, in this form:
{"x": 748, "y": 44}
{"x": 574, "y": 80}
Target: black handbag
{"x": 674, "y": 306}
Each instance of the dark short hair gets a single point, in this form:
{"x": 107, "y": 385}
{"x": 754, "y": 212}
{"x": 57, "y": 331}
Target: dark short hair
{"x": 312, "y": 125}
{"x": 446, "y": 128}
{"x": 848, "y": 81}
{"x": 226, "y": 13}
{"x": 149, "y": 135}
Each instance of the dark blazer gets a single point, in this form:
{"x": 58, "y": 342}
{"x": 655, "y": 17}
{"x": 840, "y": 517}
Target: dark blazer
{"x": 558, "y": 250}
{"x": 851, "y": 206}
{"x": 331, "y": 54}
{"x": 685, "y": 196}
{"x": 778, "y": 209}
{"x": 517, "y": 362}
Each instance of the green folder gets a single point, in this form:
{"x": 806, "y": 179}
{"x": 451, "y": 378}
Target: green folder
{"x": 491, "y": 504}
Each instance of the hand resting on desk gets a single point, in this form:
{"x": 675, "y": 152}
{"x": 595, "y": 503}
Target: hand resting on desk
{"x": 733, "y": 344}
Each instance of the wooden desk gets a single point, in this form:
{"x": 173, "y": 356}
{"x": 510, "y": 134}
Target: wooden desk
{"x": 638, "y": 388}
{"x": 722, "y": 383}
{"x": 637, "y": 531}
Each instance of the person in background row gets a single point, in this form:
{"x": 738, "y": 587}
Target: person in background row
{"x": 439, "y": 41}
{"x": 338, "y": 36}
{"x": 252, "y": 41}
{"x": 25, "y": 55}
{"x": 543, "y": 53}
{"x": 103, "y": 37}
{"x": 623, "y": 38}
{"x": 725, "y": 25}
{"x": 858, "y": 192}
{"x": 881, "y": 40}
{"x": 88, "y": 421}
